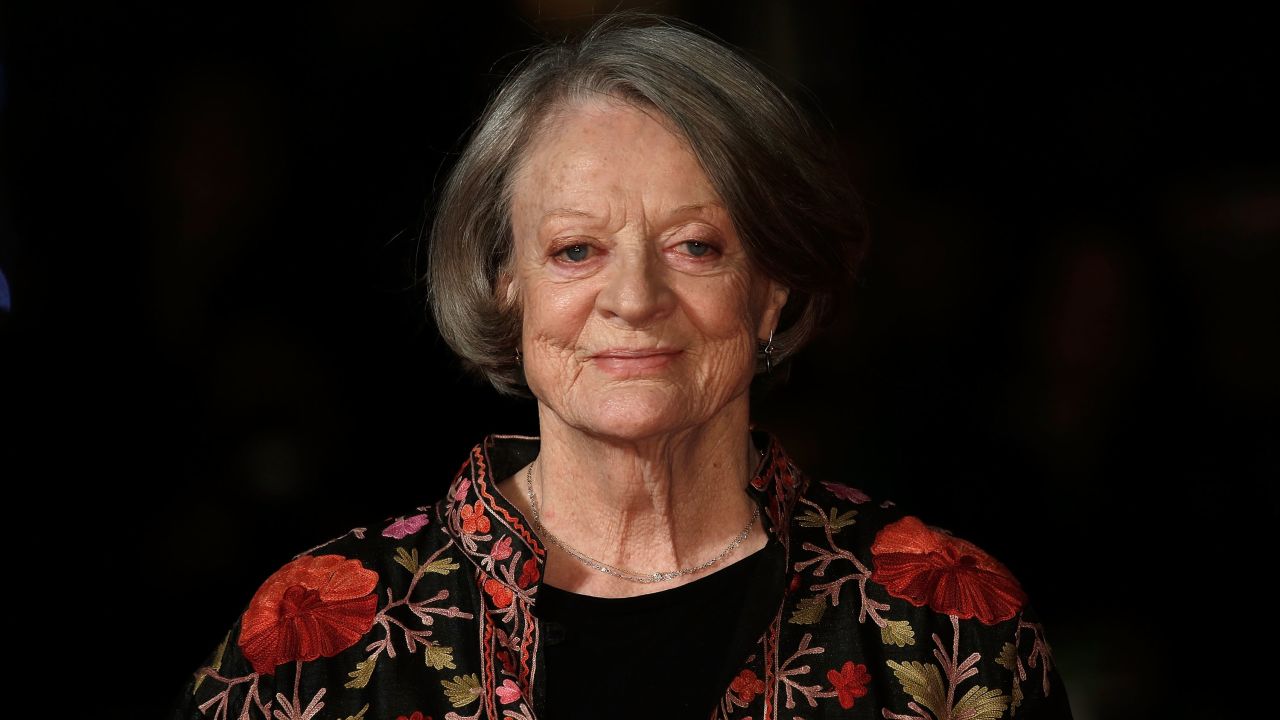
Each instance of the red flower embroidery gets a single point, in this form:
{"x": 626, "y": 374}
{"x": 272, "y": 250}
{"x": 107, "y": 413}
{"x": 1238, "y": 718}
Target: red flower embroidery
{"x": 508, "y": 666}
{"x": 850, "y": 682}
{"x": 473, "y": 519}
{"x": 528, "y": 573}
{"x": 501, "y": 594}
{"x": 417, "y": 715}
{"x": 925, "y": 566}
{"x": 746, "y": 686}
{"x": 312, "y": 607}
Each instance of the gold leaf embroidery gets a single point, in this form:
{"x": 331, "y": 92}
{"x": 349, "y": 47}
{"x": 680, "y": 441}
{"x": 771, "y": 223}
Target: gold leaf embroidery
{"x": 217, "y": 661}
{"x": 464, "y": 690}
{"x": 1008, "y": 657}
{"x": 812, "y": 519}
{"x": 408, "y": 559}
{"x": 898, "y": 632}
{"x": 923, "y": 683}
{"x": 842, "y": 520}
{"x": 443, "y": 566}
{"x": 837, "y": 520}
{"x": 440, "y": 657}
{"x": 808, "y": 611}
{"x": 981, "y": 704}
{"x": 359, "y": 715}
{"x": 1017, "y": 697}
{"x": 364, "y": 670}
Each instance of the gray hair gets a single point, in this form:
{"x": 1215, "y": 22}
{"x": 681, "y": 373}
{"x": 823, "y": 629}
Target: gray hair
{"x": 798, "y": 217}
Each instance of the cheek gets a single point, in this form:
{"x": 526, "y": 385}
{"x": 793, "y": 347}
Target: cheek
{"x": 722, "y": 311}
{"x": 555, "y": 314}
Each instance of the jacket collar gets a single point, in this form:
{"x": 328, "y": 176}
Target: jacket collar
{"x": 497, "y": 538}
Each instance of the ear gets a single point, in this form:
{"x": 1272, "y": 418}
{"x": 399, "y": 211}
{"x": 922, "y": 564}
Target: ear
{"x": 506, "y": 290}
{"x": 775, "y": 299}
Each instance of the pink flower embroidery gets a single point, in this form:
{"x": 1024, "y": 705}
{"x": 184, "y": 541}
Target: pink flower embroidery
{"x": 501, "y": 549}
{"x": 844, "y": 492}
{"x": 508, "y": 691}
{"x": 405, "y": 526}
{"x": 461, "y": 492}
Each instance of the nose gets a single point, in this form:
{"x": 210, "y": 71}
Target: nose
{"x": 636, "y": 289}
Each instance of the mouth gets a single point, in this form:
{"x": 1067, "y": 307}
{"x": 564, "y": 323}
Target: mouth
{"x": 627, "y": 363}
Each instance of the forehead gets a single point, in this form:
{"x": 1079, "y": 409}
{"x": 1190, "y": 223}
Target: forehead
{"x": 602, "y": 150}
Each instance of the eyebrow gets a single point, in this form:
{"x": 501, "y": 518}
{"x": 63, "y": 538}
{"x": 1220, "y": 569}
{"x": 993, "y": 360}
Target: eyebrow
{"x": 567, "y": 212}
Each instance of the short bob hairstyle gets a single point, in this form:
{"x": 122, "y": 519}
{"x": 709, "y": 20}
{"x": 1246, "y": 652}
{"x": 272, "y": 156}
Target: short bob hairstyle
{"x": 797, "y": 215}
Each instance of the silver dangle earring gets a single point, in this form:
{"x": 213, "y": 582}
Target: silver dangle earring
{"x": 767, "y": 351}
{"x": 519, "y": 359}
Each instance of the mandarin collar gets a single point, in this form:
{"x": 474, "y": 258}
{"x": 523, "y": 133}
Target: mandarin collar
{"x": 498, "y": 538}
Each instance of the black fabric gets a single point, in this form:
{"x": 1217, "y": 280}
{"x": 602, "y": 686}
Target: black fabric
{"x": 666, "y": 654}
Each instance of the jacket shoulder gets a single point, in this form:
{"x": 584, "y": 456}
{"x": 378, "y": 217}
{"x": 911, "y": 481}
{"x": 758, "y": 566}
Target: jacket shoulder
{"x": 911, "y": 603}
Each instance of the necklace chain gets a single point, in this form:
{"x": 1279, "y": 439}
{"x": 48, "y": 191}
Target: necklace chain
{"x": 645, "y": 578}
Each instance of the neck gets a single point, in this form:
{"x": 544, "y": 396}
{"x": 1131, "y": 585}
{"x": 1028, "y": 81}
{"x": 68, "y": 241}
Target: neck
{"x": 656, "y": 504}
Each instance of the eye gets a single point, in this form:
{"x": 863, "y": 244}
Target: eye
{"x": 697, "y": 248}
{"x": 574, "y": 253}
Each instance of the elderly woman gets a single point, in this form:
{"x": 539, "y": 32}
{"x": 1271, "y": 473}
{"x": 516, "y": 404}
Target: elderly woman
{"x": 640, "y": 226}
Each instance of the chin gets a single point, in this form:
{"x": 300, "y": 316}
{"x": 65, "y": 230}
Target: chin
{"x": 635, "y": 413}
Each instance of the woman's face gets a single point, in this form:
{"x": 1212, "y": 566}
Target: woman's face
{"x": 641, "y": 311}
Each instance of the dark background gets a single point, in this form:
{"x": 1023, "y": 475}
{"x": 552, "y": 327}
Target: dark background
{"x": 1064, "y": 349}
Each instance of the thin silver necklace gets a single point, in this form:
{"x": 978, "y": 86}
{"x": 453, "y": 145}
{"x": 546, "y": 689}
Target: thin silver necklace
{"x": 645, "y": 578}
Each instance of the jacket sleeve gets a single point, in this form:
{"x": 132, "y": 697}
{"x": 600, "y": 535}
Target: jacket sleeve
{"x": 226, "y": 685}
{"x": 1034, "y": 686}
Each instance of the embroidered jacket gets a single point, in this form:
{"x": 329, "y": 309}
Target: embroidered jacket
{"x": 432, "y": 615}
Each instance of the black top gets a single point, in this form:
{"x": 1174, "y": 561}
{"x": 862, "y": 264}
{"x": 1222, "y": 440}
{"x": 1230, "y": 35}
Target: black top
{"x": 667, "y": 654}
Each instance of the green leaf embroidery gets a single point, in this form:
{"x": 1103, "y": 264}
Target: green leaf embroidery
{"x": 440, "y": 657}
{"x": 359, "y": 715}
{"x": 837, "y": 521}
{"x": 812, "y": 519}
{"x": 898, "y": 632}
{"x": 408, "y": 559}
{"x": 1017, "y": 698}
{"x": 1008, "y": 657}
{"x": 464, "y": 690}
{"x": 923, "y": 683}
{"x": 443, "y": 566}
{"x": 217, "y": 661}
{"x": 843, "y": 520}
{"x": 808, "y": 611}
{"x": 981, "y": 704}
{"x": 364, "y": 670}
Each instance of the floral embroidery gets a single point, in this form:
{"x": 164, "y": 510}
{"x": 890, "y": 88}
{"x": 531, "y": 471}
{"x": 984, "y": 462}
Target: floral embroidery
{"x": 747, "y": 686}
{"x": 850, "y": 682}
{"x": 501, "y": 549}
{"x": 508, "y": 691}
{"x": 844, "y": 492}
{"x": 862, "y": 623}
{"x": 528, "y": 573}
{"x": 924, "y": 566}
{"x": 404, "y": 527}
{"x": 473, "y": 519}
{"x": 312, "y": 607}
{"x": 501, "y": 594}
